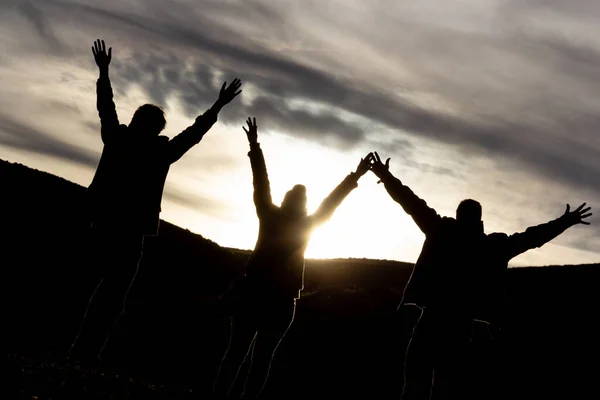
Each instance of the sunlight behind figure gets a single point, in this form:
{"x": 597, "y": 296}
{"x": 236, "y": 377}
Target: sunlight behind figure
{"x": 262, "y": 304}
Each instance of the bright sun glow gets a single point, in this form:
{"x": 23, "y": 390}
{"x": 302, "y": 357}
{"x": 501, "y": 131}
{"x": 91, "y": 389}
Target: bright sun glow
{"x": 367, "y": 224}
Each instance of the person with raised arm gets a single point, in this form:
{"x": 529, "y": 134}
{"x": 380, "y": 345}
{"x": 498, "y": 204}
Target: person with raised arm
{"x": 458, "y": 278}
{"x": 262, "y": 304}
{"x": 125, "y": 197}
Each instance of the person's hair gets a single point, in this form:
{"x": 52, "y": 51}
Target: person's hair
{"x": 469, "y": 210}
{"x": 149, "y": 118}
{"x": 294, "y": 200}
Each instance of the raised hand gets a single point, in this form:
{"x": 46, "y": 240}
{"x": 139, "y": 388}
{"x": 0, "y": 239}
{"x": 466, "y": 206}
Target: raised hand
{"x": 100, "y": 55}
{"x": 578, "y": 215}
{"x": 252, "y": 131}
{"x": 229, "y": 93}
{"x": 364, "y": 165}
{"x": 379, "y": 168}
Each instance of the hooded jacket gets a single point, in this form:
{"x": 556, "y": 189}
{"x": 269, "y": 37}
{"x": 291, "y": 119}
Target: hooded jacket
{"x": 459, "y": 269}
{"x": 128, "y": 185}
{"x": 276, "y": 265}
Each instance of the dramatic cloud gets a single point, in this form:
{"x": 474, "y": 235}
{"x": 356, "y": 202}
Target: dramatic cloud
{"x": 19, "y": 135}
{"x": 488, "y": 94}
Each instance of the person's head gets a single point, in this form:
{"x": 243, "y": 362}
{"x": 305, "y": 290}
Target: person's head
{"x": 469, "y": 213}
{"x": 148, "y": 120}
{"x": 294, "y": 201}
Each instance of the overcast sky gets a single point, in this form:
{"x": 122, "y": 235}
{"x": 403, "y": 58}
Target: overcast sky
{"x": 493, "y": 100}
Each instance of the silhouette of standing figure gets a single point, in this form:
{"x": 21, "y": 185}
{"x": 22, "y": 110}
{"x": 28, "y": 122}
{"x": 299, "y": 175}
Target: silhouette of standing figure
{"x": 125, "y": 197}
{"x": 458, "y": 278}
{"x": 262, "y": 304}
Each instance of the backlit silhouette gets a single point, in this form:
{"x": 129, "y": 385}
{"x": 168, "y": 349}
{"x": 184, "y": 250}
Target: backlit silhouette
{"x": 126, "y": 192}
{"x": 458, "y": 278}
{"x": 262, "y": 304}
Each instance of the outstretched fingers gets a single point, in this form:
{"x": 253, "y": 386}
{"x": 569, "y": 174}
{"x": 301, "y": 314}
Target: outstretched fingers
{"x": 579, "y": 214}
{"x": 228, "y": 93}
{"x": 252, "y": 127}
{"x": 377, "y": 158}
{"x": 585, "y": 213}
{"x": 99, "y": 51}
{"x": 235, "y": 84}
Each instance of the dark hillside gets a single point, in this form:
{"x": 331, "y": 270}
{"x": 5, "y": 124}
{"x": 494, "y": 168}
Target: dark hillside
{"x": 347, "y": 341}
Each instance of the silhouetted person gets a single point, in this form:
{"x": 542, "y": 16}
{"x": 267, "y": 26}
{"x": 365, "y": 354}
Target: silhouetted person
{"x": 262, "y": 304}
{"x": 125, "y": 197}
{"x": 458, "y": 278}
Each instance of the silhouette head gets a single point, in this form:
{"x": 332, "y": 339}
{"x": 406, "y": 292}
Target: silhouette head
{"x": 468, "y": 214}
{"x": 148, "y": 120}
{"x": 294, "y": 201}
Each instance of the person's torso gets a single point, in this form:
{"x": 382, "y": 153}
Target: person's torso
{"x": 457, "y": 270}
{"x": 277, "y": 261}
{"x": 130, "y": 178}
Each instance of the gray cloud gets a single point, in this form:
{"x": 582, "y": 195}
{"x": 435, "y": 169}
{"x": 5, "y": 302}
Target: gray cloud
{"x": 20, "y": 136}
{"x": 42, "y": 26}
{"x": 167, "y": 75}
{"x": 202, "y": 203}
{"x": 533, "y": 105}
{"x": 279, "y": 78}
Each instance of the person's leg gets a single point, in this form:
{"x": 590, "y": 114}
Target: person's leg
{"x": 88, "y": 339}
{"x": 241, "y": 337}
{"x": 418, "y": 366}
{"x": 269, "y": 336}
{"x": 450, "y": 357}
{"x": 119, "y": 258}
{"x": 123, "y": 280}
{"x": 401, "y": 328}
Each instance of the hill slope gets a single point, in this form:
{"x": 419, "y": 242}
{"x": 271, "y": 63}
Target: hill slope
{"x": 346, "y": 340}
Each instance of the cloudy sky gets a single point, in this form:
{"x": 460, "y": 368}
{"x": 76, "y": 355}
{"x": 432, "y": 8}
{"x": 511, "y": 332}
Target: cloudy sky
{"x": 487, "y": 99}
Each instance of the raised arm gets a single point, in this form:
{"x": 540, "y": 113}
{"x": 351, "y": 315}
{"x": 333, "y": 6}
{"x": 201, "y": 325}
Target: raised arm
{"x": 260, "y": 178}
{"x": 335, "y": 198}
{"x": 537, "y": 236}
{"x": 426, "y": 218}
{"x": 109, "y": 121}
{"x": 192, "y": 135}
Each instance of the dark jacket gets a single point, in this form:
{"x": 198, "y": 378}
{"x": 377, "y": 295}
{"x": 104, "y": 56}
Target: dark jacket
{"x": 460, "y": 270}
{"x": 277, "y": 264}
{"x": 129, "y": 181}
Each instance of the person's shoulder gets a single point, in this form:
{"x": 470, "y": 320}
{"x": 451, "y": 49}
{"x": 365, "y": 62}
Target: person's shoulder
{"x": 445, "y": 226}
{"x": 118, "y": 135}
{"x": 121, "y": 132}
{"x": 448, "y": 221}
{"x": 497, "y": 236}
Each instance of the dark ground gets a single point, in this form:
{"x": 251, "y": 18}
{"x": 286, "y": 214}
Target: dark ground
{"x": 346, "y": 342}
